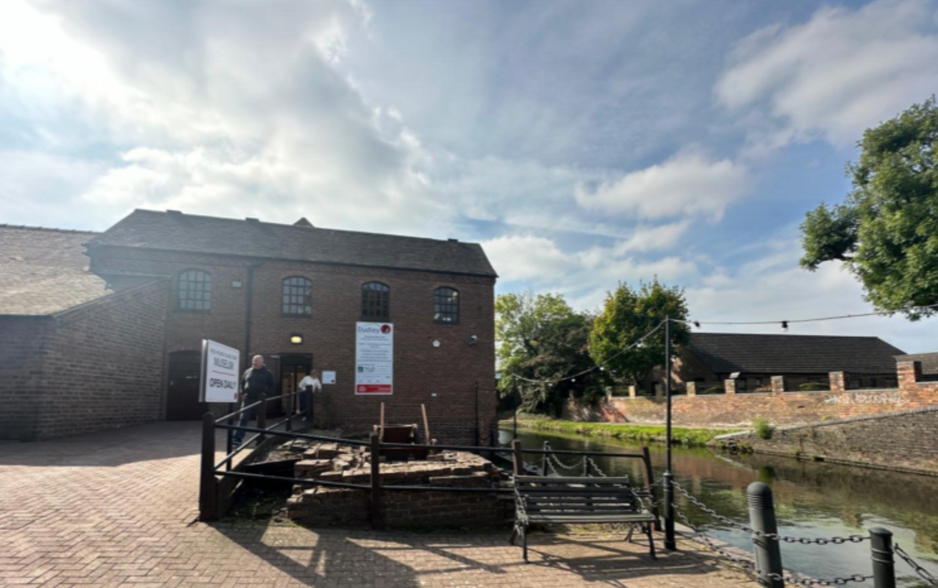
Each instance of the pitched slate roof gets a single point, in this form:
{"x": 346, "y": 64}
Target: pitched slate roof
{"x": 174, "y": 231}
{"x": 793, "y": 354}
{"x": 929, "y": 361}
{"x": 44, "y": 271}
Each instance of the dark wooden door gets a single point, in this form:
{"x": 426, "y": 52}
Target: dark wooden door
{"x": 182, "y": 399}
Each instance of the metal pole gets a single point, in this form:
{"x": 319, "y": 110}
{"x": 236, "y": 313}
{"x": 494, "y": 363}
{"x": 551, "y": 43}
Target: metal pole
{"x": 262, "y": 417}
{"x": 544, "y": 458}
{"x": 768, "y": 556}
{"x": 229, "y": 442}
{"x": 884, "y": 570}
{"x": 376, "y": 514}
{"x": 517, "y": 458}
{"x": 208, "y": 492}
{"x": 669, "y": 540}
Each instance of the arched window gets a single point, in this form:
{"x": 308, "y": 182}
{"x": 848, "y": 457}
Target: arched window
{"x": 195, "y": 291}
{"x": 446, "y": 306}
{"x": 297, "y": 296}
{"x": 376, "y": 301}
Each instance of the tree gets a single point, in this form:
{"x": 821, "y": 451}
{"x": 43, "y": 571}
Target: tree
{"x": 627, "y": 315}
{"x": 886, "y": 233}
{"x": 542, "y": 338}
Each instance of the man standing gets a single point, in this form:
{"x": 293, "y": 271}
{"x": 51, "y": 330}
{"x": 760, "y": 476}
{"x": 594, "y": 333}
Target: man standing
{"x": 310, "y": 381}
{"x": 256, "y": 380}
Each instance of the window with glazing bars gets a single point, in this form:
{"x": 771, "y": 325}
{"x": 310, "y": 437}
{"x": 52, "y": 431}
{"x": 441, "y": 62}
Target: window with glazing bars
{"x": 446, "y": 306}
{"x": 195, "y": 291}
{"x": 376, "y": 301}
{"x": 297, "y": 296}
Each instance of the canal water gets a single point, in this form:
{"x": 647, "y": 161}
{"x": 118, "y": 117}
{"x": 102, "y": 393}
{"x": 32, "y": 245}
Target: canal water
{"x": 812, "y": 499}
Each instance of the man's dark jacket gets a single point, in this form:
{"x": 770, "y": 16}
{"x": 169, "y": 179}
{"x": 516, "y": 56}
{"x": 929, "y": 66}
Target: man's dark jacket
{"x": 255, "y": 382}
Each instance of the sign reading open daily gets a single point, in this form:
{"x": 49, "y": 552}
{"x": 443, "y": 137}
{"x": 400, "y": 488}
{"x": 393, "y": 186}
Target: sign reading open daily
{"x": 374, "y": 358}
{"x": 220, "y": 364}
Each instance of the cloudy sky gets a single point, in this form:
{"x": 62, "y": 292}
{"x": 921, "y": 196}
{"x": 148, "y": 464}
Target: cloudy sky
{"x": 582, "y": 143}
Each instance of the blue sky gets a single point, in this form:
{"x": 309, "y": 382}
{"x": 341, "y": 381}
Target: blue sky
{"x": 582, "y": 143}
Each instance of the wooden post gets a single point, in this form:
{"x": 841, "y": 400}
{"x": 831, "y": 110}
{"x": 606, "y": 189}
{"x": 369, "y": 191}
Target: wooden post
{"x": 650, "y": 484}
{"x": 426, "y": 424}
{"x": 262, "y": 417}
{"x": 518, "y": 458}
{"x": 208, "y": 491}
{"x": 376, "y": 514}
{"x": 381, "y": 423}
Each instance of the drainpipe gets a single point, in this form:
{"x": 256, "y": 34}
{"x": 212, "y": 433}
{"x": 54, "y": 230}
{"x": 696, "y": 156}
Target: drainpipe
{"x": 249, "y": 292}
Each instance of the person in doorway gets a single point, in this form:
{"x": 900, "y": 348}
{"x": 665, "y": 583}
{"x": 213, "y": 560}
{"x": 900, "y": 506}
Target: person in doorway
{"x": 310, "y": 381}
{"x": 255, "y": 381}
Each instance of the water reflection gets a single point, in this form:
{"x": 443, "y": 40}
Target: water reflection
{"x": 813, "y": 499}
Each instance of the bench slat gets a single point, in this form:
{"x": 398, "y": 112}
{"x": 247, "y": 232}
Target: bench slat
{"x": 599, "y": 518}
{"x": 579, "y": 480}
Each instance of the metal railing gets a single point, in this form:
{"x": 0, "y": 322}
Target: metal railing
{"x": 211, "y": 471}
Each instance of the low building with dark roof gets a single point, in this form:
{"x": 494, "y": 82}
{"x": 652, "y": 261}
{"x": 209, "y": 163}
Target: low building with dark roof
{"x": 711, "y": 358}
{"x": 292, "y": 293}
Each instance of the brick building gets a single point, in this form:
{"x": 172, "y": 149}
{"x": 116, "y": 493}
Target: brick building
{"x": 118, "y": 340}
{"x": 709, "y": 359}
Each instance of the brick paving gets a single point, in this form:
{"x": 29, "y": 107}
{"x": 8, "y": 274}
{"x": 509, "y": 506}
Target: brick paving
{"x": 118, "y": 509}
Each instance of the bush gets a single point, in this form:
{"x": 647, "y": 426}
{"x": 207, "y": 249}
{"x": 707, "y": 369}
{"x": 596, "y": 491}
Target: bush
{"x": 714, "y": 390}
{"x": 812, "y": 387}
{"x": 762, "y": 428}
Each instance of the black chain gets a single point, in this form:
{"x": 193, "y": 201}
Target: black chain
{"x": 805, "y": 581}
{"x": 922, "y": 572}
{"x": 771, "y": 536}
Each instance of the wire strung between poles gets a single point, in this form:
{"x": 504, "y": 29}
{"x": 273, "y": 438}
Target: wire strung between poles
{"x": 638, "y": 342}
{"x": 811, "y": 320}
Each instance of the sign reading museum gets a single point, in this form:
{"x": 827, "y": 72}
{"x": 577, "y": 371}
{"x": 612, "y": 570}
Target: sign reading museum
{"x": 219, "y": 382}
{"x": 374, "y": 358}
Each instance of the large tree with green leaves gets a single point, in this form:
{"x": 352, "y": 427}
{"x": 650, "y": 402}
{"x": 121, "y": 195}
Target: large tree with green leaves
{"x": 542, "y": 338}
{"x": 629, "y": 314}
{"x": 887, "y": 230}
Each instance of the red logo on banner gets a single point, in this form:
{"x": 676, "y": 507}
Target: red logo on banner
{"x": 385, "y": 329}
{"x": 374, "y": 389}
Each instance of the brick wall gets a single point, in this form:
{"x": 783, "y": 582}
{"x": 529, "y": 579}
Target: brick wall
{"x": 778, "y": 407}
{"x": 96, "y": 366}
{"x": 902, "y": 441}
{"x": 443, "y": 378}
{"x": 104, "y": 368}
{"x": 23, "y": 346}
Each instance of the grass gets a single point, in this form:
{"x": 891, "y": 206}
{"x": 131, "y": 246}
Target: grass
{"x": 762, "y": 428}
{"x": 640, "y": 433}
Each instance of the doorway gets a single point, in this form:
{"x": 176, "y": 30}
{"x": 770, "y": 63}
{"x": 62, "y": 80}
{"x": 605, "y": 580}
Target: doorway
{"x": 293, "y": 368}
{"x": 182, "y": 398}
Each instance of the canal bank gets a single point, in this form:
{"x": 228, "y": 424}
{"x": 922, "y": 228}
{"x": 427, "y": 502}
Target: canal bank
{"x": 687, "y": 436}
{"x": 813, "y": 499}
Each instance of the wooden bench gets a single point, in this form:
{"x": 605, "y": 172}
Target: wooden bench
{"x": 544, "y": 499}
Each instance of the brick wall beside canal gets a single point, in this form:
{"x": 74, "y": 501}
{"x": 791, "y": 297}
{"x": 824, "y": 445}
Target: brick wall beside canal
{"x": 779, "y": 407}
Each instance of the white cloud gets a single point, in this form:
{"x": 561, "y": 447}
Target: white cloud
{"x": 583, "y": 275}
{"x": 688, "y": 183}
{"x": 649, "y": 238}
{"x": 838, "y": 73}
{"x": 219, "y": 108}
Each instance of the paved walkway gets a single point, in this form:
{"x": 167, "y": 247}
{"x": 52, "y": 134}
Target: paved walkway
{"x": 119, "y": 508}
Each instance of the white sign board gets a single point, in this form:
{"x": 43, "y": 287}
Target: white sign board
{"x": 374, "y": 359}
{"x": 328, "y": 378}
{"x": 220, "y": 365}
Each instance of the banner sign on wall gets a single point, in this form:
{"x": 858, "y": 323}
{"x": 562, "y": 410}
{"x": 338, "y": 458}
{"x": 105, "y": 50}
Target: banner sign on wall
{"x": 219, "y": 381}
{"x": 374, "y": 358}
